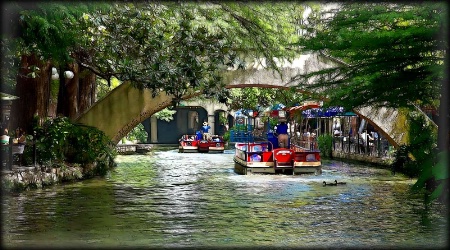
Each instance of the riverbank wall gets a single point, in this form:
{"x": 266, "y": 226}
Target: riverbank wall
{"x": 29, "y": 177}
{"x": 383, "y": 161}
{"x": 21, "y": 178}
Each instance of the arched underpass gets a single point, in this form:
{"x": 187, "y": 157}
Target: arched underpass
{"x": 125, "y": 107}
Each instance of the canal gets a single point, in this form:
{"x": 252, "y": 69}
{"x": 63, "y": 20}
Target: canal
{"x": 169, "y": 199}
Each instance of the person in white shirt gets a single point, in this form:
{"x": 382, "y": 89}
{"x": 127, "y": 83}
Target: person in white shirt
{"x": 5, "y": 137}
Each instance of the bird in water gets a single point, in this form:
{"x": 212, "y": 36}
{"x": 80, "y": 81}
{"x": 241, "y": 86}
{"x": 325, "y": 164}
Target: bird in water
{"x": 329, "y": 184}
{"x": 339, "y": 183}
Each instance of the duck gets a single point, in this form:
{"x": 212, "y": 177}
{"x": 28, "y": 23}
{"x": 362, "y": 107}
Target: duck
{"x": 329, "y": 184}
{"x": 339, "y": 183}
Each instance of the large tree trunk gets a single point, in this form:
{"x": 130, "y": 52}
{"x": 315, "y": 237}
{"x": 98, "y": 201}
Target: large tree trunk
{"x": 33, "y": 93}
{"x": 87, "y": 92}
{"x": 68, "y": 93}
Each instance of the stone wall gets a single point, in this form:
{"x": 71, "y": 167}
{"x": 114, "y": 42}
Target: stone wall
{"x": 26, "y": 178}
{"x": 384, "y": 161}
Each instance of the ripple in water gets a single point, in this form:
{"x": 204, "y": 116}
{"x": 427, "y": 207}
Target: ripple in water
{"x": 171, "y": 199}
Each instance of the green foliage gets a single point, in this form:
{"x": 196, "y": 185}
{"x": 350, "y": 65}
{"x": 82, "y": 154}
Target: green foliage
{"x": 59, "y": 141}
{"x": 390, "y": 54}
{"x": 104, "y": 87}
{"x": 421, "y": 158}
{"x": 226, "y": 136}
{"x": 325, "y": 144}
{"x": 240, "y": 127}
{"x": 252, "y": 98}
{"x": 421, "y": 152}
{"x": 165, "y": 115}
{"x": 138, "y": 133}
{"x": 53, "y": 30}
{"x": 272, "y": 123}
{"x": 222, "y": 118}
{"x": 164, "y": 46}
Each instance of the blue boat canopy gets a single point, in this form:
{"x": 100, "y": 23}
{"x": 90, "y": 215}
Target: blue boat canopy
{"x": 320, "y": 112}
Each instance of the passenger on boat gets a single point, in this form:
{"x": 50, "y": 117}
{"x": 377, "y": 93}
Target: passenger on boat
{"x": 282, "y": 131}
{"x": 205, "y": 131}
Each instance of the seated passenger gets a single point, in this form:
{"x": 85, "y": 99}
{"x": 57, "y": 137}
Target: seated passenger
{"x": 5, "y": 137}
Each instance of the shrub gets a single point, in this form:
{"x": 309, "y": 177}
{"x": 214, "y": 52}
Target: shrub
{"x": 138, "y": 133}
{"x": 58, "y": 141}
{"x": 226, "y": 136}
{"x": 421, "y": 152}
{"x": 325, "y": 144}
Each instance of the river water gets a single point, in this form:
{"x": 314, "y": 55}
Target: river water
{"x": 171, "y": 199}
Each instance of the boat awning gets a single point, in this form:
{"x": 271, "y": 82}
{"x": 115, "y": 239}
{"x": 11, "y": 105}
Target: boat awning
{"x": 298, "y": 108}
{"x": 348, "y": 114}
{"x": 305, "y": 106}
{"x": 319, "y": 112}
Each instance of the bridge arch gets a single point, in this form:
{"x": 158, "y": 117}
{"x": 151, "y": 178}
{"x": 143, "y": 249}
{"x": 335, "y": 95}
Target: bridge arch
{"x": 123, "y": 109}
{"x": 125, "y": 106}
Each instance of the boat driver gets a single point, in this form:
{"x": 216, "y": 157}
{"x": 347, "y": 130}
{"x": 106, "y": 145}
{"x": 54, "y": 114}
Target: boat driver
{"x": 205, "y": 131}
{"x": 282, "y": 131}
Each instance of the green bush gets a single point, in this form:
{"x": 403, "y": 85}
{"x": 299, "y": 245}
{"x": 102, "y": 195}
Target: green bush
{"x": 59, "y": 141}
{"x": 138, "y": 133}
{"x": 325, "y": 144}
{"x": 421, "y": 152}
{"x": 226, "y": 136}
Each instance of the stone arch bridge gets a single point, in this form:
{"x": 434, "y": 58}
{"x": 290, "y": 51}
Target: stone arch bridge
{"x": 125, "y": 107}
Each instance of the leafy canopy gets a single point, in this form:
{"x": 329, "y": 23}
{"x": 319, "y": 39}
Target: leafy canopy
{"x": 392, "y": 54}
{"x": 164, "y": 46}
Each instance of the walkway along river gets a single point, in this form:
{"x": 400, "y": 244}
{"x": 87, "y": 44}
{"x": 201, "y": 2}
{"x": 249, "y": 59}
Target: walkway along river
{"x": 169, "y": 199}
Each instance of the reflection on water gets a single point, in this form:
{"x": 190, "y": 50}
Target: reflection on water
{"x": 171, "y": 199}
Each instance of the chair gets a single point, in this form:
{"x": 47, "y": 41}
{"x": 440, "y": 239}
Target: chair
{"x": 17, "y": 152}
{"x": 4, "y": 154}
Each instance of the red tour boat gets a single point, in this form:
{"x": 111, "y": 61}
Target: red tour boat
{"x": 264, "y": 157}
{"x": 196, "y": 144}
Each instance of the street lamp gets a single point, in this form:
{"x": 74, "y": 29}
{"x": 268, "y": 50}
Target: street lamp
{"x": 55, "y": 76}
{"x": 68, "y": 74}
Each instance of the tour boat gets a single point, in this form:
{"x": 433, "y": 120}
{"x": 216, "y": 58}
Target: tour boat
{"x": 215, "y": 144}
{"x": 300, "y": 156}
{"x": 196, "y": 144}
{"x": 188, "y": 144}
{"x": 261, "y": 157}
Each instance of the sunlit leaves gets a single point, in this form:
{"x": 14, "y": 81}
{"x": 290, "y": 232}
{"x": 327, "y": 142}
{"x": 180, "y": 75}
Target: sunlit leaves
{"x": 174, "y": 47}
{"x": 252, "y": 98}
{"x": 164, "y": 46}
{"x": 392, "y": 51}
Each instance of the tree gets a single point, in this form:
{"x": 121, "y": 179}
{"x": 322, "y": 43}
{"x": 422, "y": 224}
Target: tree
{"x": 39, "y": 38}
{"x": 252, "y": 98}
{"x": 171, "y": 47}
{"x": 391, "y": 55}
{"x": 177, "y": 47}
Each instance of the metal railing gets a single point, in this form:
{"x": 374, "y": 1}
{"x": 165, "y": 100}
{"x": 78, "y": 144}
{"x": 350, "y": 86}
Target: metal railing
{"x": 379, "y": 147}
{"x": 241, "y": 136}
